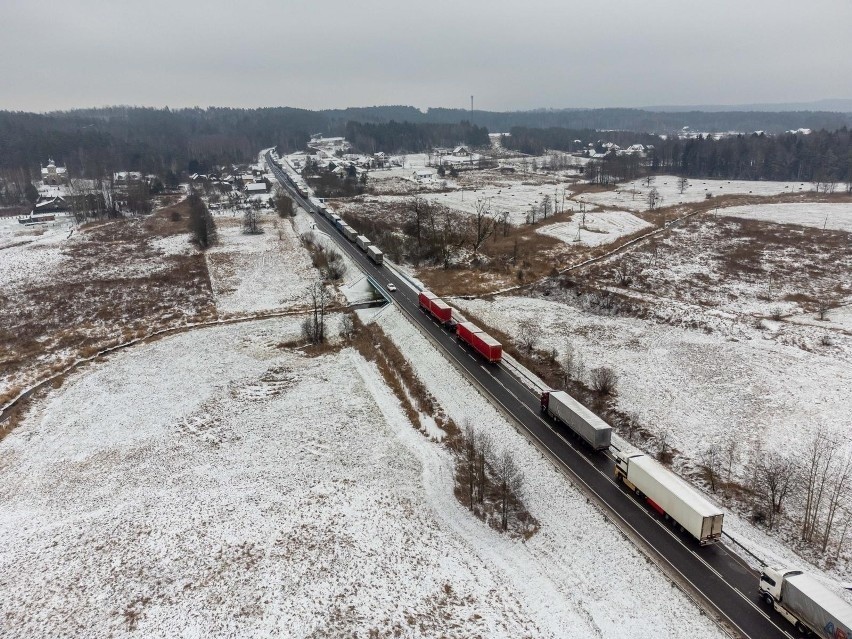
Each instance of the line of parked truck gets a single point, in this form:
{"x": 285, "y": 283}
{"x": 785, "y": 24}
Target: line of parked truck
{"x": 797, "y": 597}
{"x": 362, "y": 242}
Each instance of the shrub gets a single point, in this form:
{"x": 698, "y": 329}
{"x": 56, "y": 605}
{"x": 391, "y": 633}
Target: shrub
{"x": 603, "y": 380}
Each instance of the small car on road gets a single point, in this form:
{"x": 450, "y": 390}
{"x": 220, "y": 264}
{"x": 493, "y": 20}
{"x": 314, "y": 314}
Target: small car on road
{"x": 391, "y": 287}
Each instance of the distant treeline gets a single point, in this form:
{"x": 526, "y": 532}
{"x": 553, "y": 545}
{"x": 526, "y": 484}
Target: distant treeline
{"x": 608, "y": 119}
{"x": 94, "y": 142}
{"x": 822, "y": 156}
{"x": 408, "y": 137}
{"x": 536, "y": 141}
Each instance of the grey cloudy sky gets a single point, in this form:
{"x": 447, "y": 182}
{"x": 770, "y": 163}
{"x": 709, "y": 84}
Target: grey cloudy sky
{"x": 510, "y": 55}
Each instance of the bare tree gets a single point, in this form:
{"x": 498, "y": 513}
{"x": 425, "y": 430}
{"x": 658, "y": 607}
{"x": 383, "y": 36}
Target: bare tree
{"x": 313, "y": 328}
{"x": 532, "y": 214}
{"x": 509, "y": 481}
{"x": 649, "y": 180}
{"x": 823, "y": 307}
{"x": 250, "y": 222}
{"x": 527, "y": 334}
{"x": 776, "y": 476}
{"x": 503, "y": 220}
{"x": 839, "y": 487}
{"x": 484, "y": 450}
{"x": 818, "y": 462}
{"x": 483, "y": 225}
{"x": 710, "y": 459}
{"x": 603, "y": 380}
{"x": 654, "y": 199}
{"x": 664, "y": 442}
{"x": 731, "y": 452}
{"x": 682, "y": 183}
{"x": 545, "y": 206}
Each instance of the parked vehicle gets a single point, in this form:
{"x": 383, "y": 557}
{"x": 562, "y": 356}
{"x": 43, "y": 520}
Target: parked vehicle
{"x": 806, "y": 603}
{"x": 439, "y": 309}
{"x": 362, "y": 242}
{"x": 375, "y": 255}
{"x": 670, "y": 496}
{"x": 480, "y": 341}
{"x": 583, "y": 422}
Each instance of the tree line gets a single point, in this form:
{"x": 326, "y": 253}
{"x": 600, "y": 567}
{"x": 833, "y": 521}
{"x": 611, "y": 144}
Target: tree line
{"x": 410, "y": 137}
{"x": 821, "y": 156}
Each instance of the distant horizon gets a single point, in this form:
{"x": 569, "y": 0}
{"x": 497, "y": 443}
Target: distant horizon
{"x": 769, "y": 107}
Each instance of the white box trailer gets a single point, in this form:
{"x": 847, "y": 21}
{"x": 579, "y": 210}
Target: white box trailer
{"x": 363, "y": 242}
{"x": 349, "y": 232}
{"x": 805, "y": 602}
{"x": 588, "y": 426}
{"x": 670, "y": 496}
{"x": 375, "y": 254}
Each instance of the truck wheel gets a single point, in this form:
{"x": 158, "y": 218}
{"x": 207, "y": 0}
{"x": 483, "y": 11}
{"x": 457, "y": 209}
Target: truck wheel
{"x": 767, "y": 598}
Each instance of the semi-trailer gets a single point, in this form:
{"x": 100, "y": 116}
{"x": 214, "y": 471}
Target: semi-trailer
{"x": 375, "y": 254}
{"x": 437, "y": 307}
{"x": 349, "y": 232}
{"x": 670, "y": 496}
{"x": 582, "y": 422}
{"x": 806, "y": 603}
{"x": 362, "y": 242}
{"x": 480, "y": 341}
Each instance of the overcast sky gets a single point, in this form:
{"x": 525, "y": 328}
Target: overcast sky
{"x": 337, "y": 53}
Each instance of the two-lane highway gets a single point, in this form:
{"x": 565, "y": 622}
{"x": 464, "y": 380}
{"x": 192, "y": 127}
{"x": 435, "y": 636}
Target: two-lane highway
{"x": 727, "y": 586}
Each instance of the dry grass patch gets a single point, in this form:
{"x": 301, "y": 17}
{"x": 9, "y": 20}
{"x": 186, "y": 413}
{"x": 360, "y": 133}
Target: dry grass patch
{"x": 115, "y": 285}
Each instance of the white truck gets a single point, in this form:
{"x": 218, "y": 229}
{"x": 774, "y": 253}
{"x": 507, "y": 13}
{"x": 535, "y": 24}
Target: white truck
{"x": 375, "y": 254}
{"x": 583, "y": 422}
{"x": 362, "y": 242}
{"x": 670, "y": 496}
{"x": 806, "y": 603}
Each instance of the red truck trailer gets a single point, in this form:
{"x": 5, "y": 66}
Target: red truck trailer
{"x": 481, "y": 341}
{"x": 436, "y": 306}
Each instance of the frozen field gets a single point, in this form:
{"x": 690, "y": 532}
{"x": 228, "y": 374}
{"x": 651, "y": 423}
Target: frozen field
{"x": 634, "y": 195}
{"x": 818, "y": 215}
{"x": 29, "y": 254}
{"x": 513, "y": 197}
{"x": 601, "y": 227}
{"x": 244, "y": 507}
{"x": 695, "y": 386}
{"x": 251, "y": 273}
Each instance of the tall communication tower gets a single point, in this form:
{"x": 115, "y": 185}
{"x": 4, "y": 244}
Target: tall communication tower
{"x": 471, "y": 108}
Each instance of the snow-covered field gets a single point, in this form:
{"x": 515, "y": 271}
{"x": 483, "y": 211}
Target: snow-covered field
{"x": 599, "y": 227}
{"x": 221, "y": 498}
{"x": 513, "y": 197}
{"x": 818, "y": 215}
{"x": 694, "y": 385}
{"x": 30, "y": 254}
{"x": 251, "y": 273}
{"x": 634, "y": 195}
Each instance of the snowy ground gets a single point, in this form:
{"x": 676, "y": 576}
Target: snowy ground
{"x": 567, "y": 566}
{"x": 513, "y": 197}
{"x": 634, "y": 195}
{"x": 30, "y": 254}
{"x": 247, "y": 508}
{"x": 818, "y": 215}
{"x": 251, "y": 273}
{"x": 599, "y": 227}
{"x": 697, "y": 386}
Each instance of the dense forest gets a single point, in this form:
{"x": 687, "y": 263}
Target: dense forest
{"x": 408, "y": 137}
{"x": 536, "y": 141}
{"x": 821, "y": 156}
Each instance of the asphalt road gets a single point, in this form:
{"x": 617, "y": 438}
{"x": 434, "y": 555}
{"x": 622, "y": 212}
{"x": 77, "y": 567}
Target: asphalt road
{"x": 724, "y": 579}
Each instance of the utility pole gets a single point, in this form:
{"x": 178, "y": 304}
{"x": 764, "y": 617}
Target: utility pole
{"x": 471, "y": 109}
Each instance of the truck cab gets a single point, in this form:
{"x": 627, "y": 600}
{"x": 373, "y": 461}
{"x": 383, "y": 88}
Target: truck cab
{"x": 770, "y": 583}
